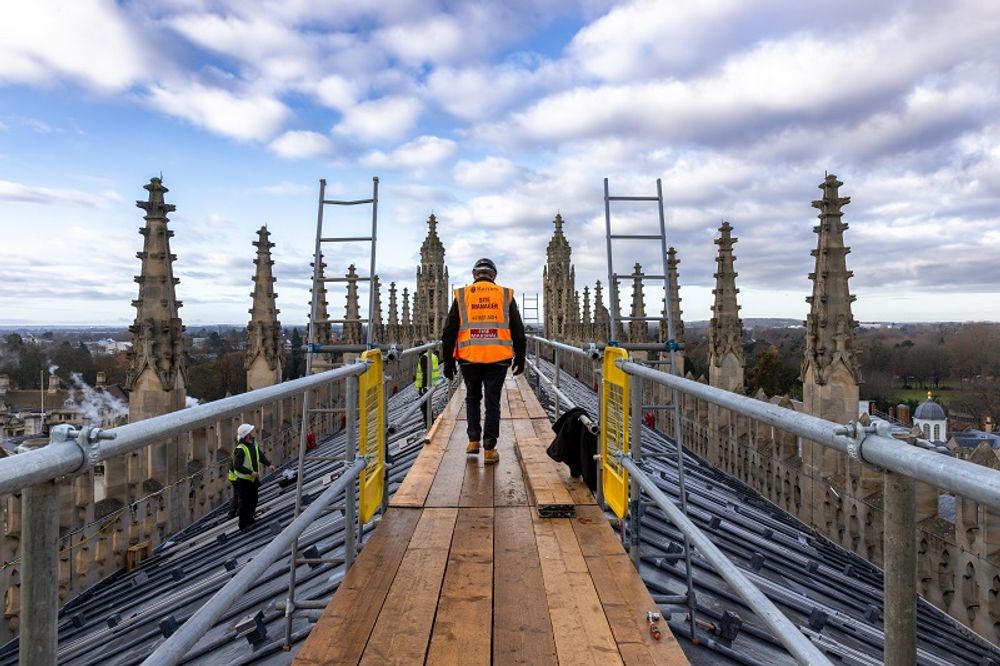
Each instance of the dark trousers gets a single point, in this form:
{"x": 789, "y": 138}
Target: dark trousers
{"x": 484, "y": 380}
{"x": 234, "y": 506}
{"x": 246, "y": 494}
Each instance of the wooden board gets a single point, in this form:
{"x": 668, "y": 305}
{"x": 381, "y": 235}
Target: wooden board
{"x": 462, "y": 630}
{"x": 583, "y": 635}
{"x": 446, "y": 488}
{"x": 342, "y": 632}
{"x": 516, "y": 403}
{"x": 417, "y": 483}
{"x": 623, "y": 595}
{"x": 402, "y": 632}
{"x": 477, "y": 485}
{"x": 531, "y": 403}
{"x": 508, "y": 482}
{"x": 544, "y": 478}
{"x": 522, "y": 630}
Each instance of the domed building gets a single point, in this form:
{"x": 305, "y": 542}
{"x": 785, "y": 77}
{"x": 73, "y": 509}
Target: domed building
{"x": 931, "y": 418}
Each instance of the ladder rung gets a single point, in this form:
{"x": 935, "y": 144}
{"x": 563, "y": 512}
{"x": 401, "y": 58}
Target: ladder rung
{"x": 336, "y": 202}
{"x": 345, "y": 239}
{"x": 642, "y": 276}
{"x": 358, "y": 278}
{"x": 638, "y": 236}
{"x": 633, "y": 198}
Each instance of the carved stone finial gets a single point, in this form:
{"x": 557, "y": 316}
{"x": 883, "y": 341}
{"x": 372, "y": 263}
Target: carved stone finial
{"x": 725, "y": 332}
{"x": 430, "y": 297}
{"x": 638, "y": 331}
{"x": 264, "y": 342}
{"x": 558, "y": 278}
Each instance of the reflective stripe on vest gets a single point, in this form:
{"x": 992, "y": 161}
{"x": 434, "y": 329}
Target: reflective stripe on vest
{"x": 484, "y": 323}
{"x": 435, "y": 371}
{"x": 253, "y": 462}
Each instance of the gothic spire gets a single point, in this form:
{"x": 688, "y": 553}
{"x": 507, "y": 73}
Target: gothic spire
{"x": 157, "y": 333}
{"x": 675, "y": 299}
{"x": 263, "y": 356}
{"x": 602, "y": 319}
{"x": 393, "y": 328}
{"x": 430, "y": 298}
{"x": 352, "y": 312}
{"x": 378, "y": 327}
{"x": 638, "y": 331}
{"x": 323, "y": 335}
{"x": 558, "y": 278}
{"x": 725, "y": 333}
{"x": 830, "y": 324}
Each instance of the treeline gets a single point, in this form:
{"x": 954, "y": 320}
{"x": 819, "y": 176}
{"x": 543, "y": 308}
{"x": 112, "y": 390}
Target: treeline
{"x": 215, "y": 368}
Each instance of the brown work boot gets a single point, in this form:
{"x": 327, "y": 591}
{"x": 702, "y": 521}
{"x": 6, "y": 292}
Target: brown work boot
{"x": 472, "y": 449}
{"x": 491, "y": 456}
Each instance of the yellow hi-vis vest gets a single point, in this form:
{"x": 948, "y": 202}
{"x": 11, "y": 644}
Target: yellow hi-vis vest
{"x": 484, "y": 323}
{"x": 251, "y": 461}
{"x": 435, "y": 372}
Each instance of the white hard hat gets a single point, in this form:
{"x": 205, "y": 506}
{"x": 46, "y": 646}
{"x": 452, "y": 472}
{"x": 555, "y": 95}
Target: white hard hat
{"x": 244, "y": 430}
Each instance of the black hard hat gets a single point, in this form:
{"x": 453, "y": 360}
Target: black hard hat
{"x": 485, "y": 265}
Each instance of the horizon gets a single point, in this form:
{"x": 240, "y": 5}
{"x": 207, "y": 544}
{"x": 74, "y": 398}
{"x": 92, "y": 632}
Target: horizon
{"x": 495, "y": 117}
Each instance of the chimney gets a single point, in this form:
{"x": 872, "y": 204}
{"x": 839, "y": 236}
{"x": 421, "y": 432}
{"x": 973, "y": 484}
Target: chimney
{"x": 53, "y": 384}
{"x": 903, "y": 414}
{"x": 989, "y": 426}
{"x": 101, "y": 380}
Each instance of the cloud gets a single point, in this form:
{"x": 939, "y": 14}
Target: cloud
{"x": 12, "y": 191}
{"x": 435, "y": 39}
{"x": 421, "y": 153}
{"x": 94, "y": 44}
{"x": 380, "y": 119}
{"x": 245, "y": 116}
{"x": 285, "y": 188}
{"x": 486, "y": 173}
{"x": 301, "y": 144}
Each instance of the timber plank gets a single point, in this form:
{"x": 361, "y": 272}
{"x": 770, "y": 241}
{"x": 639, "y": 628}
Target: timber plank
{"x": 480, "y": 478}
{"x": 623, "y": 595}
{"x": 543, "y": 476}
{"x": 522, "y": 629}
{"x": 508, "y": 482}
{"x": 535, "y": 409}
{"x": 516, "y": 402}
{"x": 402, "y": 632}
{"x": 417, "y": 482}
{"x": 462, "y": 630}
{"x": 446, "y": 488}
{"x": 342, "y": 631}
{"x": 583, "y": 635}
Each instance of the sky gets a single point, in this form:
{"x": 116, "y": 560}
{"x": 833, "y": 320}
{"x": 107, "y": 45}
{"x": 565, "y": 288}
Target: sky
{"x": 495, "y": 116}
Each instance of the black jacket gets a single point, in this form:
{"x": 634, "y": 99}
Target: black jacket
{"x": 450, "y": 333}
{"x": 576, "y": 446}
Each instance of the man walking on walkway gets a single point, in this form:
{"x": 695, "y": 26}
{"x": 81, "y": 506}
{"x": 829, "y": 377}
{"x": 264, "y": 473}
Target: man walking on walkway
{"x": 244, "y": 473}
{"x": 484, "y": 333}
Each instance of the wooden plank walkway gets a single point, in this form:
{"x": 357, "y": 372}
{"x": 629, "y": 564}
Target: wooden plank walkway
{"x": 463, "y": 571}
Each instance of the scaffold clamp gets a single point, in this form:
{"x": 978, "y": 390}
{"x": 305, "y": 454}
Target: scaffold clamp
{"x": 857, "y": 431}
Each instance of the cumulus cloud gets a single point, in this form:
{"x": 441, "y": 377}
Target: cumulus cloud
{"x": 301, "y": 144}
{"x": 244, "y": 116}
{"x": 486, "y": 173}
{"x": 385, "y": 118}
{"x": 422, "y": 152}
{"x": 42, "y": 41}
{"x": 13, "y": 191}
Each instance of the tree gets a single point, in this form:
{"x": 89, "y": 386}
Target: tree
{"x": 296, "y": 363}
{"x": 770, "y": 373}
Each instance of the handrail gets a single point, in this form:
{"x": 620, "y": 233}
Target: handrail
{"x": 181, "y": 641}
{"x": 68, "y": 457}
{"x": 968, "y": 479}
{"x": 580, "y": 351}
{"x": 786, "y": 632}
{"x": 588, "y": 423}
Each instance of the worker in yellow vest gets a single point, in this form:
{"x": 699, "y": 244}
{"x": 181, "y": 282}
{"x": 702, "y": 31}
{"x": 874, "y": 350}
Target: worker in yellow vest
{"x": 485, "y": 336}
{"x": 245, "y": 469}
{"x": 427, "y": 366}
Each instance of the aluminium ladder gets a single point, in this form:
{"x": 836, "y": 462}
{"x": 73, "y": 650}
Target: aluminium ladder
{"x": 352, "y": 530}
{"x": 671, "y": 345}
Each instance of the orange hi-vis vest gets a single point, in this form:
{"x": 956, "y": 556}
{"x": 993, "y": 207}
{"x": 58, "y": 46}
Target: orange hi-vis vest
{"x": 484, "y": 323}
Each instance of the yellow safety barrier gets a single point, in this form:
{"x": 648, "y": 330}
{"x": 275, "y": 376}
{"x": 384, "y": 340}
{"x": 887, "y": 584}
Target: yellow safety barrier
{"x": 371, "y": 435}
{"x": 614, "y": 430}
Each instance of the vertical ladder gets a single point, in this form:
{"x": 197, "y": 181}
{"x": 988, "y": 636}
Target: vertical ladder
{"x": 529, "y": 309}
{"x": 671, "y": 345}
{"x": 352, "y": 530}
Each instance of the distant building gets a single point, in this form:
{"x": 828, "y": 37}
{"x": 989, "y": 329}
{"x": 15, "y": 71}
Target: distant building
{"x": 27, "y": 412}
